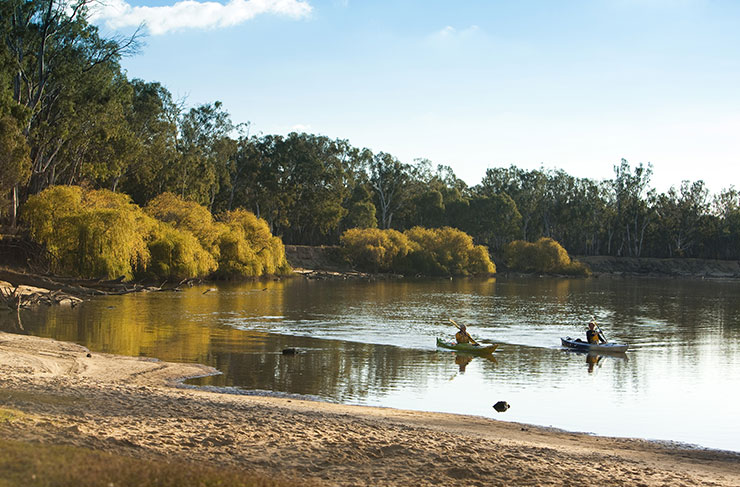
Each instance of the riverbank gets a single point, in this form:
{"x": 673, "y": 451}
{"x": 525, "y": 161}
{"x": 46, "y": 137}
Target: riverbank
{"x": 63, "y": 394}
{"x": 653, "y": 267}
{"x": 329, "y": 260}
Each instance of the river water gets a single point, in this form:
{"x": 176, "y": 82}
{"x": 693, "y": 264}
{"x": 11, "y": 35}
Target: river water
{"x": 373, "y": 343}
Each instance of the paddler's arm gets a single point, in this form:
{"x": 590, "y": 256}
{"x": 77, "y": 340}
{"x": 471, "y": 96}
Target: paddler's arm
{"x": 471, "y": 339}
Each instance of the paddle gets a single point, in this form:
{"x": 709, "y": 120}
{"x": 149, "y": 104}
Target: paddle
{"x": 464, "y": 331}
{"x": 598, "y": 328}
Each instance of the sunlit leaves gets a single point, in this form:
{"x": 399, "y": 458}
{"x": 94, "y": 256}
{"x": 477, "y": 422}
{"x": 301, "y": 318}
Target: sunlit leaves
{"x": 89, "y": 233}
{"x": 438, "y": 251}
{"x": 546, "y": 256}
{"x": 247, "y": 248}
{"x": 98, "y": 233}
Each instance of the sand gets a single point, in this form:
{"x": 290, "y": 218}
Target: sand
{"x": 138, "y": 407}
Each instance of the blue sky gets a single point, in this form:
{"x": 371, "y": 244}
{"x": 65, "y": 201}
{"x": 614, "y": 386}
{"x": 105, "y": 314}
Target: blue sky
{"x": 574, "y": 85}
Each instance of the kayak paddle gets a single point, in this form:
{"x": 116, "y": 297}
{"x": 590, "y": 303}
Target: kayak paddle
{"x": 598, "y": 328}
{"x": 466, "y": 332}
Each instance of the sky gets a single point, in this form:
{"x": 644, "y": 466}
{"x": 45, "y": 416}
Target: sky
{"x": 472, "y": 84}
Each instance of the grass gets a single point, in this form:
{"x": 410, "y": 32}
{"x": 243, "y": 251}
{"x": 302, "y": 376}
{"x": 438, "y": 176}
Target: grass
{"x": 25, "y": 464}
{"x": 10, "y": 415}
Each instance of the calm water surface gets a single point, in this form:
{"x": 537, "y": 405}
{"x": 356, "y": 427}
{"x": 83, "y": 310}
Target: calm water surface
{"x": 373, "y": 343}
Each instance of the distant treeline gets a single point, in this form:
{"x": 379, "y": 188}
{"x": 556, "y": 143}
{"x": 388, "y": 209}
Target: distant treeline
{"x": 70, "y": 116}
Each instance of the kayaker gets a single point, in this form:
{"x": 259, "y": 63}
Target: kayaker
{"x": 462, "y": 335}
{"x": 592, "y": 336}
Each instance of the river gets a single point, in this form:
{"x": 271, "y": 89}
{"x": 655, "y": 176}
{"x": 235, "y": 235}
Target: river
{"x": 373, "y": 343}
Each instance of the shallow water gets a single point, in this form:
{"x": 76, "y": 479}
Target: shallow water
{"x": 373, "y": 343}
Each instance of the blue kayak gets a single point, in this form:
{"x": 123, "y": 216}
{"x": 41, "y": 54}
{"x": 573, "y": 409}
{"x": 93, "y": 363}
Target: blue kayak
{"x": 593, "y": 347}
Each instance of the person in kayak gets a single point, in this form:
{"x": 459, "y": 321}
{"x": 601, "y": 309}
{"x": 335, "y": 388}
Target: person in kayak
{"x": 462, "y": 335}
{"x": 593, "y": 336}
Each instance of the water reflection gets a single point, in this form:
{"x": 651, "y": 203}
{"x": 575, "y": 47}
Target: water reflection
{"x": 374, "y": 343}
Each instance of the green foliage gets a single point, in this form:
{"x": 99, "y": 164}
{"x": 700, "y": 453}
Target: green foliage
{"x": 546, "y": 256}
{"x": 375, "y": 250}
{"x": 15, "y": 162}
{"x": 247, "y": 248}
{"x": 186, "y": 215}
{"x": 447, "y": 251}
{"x": 177, "y": 254}
{"x": 101, "y": 233}
{"x": 94, "y": 233}
{"x": 439, "y": 251}
{"x": 69, "y": 115}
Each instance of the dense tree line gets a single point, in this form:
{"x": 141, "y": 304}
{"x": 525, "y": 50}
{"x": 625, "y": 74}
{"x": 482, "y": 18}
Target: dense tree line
{"x": 70, "y": 116}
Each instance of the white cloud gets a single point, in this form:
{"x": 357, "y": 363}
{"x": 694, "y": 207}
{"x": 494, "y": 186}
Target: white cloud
{"x": 191, "y": 14}
{"x": 450, "y": 33}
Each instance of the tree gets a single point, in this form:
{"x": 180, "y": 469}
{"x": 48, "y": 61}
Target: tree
{"x": 633, "y": 212}
{"x": 152, "y": 118}
{"x": 206, "y": 148}
{"x": 361, "y": 210}
{"x": 63, "y": 73}
{"x": 494, "y": 221}
{"x": 388, "y": 177}
{"x": 15, "y": 164}
{"x": 680, "y": 215}
{"x": 526, "y": 188}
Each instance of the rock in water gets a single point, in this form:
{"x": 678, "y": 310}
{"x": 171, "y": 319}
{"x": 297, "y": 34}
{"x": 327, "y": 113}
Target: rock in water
{"x": 501, "y": 406}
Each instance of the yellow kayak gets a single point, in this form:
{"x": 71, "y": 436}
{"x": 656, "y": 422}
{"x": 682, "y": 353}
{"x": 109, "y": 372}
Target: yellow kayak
{"x": 467, "y": 347}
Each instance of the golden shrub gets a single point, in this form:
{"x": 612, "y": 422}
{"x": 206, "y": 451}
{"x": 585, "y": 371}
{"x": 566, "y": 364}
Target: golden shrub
{"x": 186, "y": 215}
{"x": 247, "y": 248}
{"x": 177, "y": 254}
{"x": 375, "y": 250}
{"x": 89, "y": 233}
{"x": 437, "y": 251}
{"x": 546, "y": 256}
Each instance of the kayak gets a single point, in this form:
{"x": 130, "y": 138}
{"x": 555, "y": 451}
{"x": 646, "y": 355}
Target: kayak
{"x": 593, "y": 347}
{"x": 467, "y": 347}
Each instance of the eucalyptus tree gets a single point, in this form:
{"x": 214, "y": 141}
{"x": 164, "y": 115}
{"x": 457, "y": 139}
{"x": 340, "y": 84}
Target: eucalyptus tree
{"x": 680, "y": 216}
{"x": 15, "y": 163}
{"x": 725, "y": 210}
{"x": 152, "y": 117}
{"x": 361, "y": 211}
{"x": 60, "y": 68}
{"x": 389, "y": 178}
{"x": 315, "y": 176}
{"x": 634, "y": 202}
{"x": 526, "y": 188}
{"x": 494, "y": 220}
{"x": 205, "y": 148}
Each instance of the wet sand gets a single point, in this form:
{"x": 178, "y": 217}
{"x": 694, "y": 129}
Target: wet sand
{"x": 137, "y": 407}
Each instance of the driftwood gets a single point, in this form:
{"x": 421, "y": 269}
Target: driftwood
{"x": 21, "y": 297}
{"x": 64, "y": 290}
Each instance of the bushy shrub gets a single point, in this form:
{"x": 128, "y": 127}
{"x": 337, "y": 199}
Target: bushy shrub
{"x": 177, "y": 254}
{"x": 375, "y": 250}
{"x": 246, "y": 247}
{"x": 439, "y": 251}
{"x": 186, "y": 215}
{"x": 546, "y": 255}
{"x": 447, "y": 251}
{"x": 89, "y": 233}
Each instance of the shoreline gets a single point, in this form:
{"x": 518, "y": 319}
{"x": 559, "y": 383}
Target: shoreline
{"x": 133, "y": 406}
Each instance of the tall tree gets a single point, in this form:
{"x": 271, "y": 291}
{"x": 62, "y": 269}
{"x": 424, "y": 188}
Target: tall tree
{"x": 152, "y": 118}
{"x": 388, "y": 177}
{"x": 206, "y": 149}
{"x": 634, "y": 205}
{"x": 59, "y": 67}
{"x": 680, "y": 215}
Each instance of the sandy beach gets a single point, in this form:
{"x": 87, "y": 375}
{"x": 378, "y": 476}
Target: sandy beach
{"x": 137, "y": 407}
